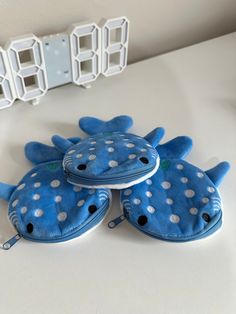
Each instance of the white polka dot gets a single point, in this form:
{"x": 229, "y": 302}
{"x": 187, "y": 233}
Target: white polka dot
{"x": 151, "y": 209}
{"x": 15, "y": 202}
{"x": 210, "y": 189}
{"x": 33, "y": 174}
{"x": 79, "y": 155}
{"x": 169, "y": 201}
{"x": 92, "y": 157}
{"x": 23, "y": 210}
{"x": 92, "y": 148}
{"x": 127, "y": 192}
{"x": 80, "y": 203}
{"x": 110, "y": 149}
{"x": 21, "y": 186}
{"x": 91, "y": 191}
{"x": 200, "y": 175}
{"x": 179, "y": 167}
{"x": 109, "y": 142}
{"x": 148, "y": 145}
{"x": 55, "y": 183}
{"x": 184, "y": 180}
{"x": 113, "y": 163}
{"x": 205, "y": 200}
{"x": 132, "y": 156}
{"x": 129, "y": 145}
{"x": 58, "y": 199}
{"x": 189, "y": 193}
{"x": 125, "y": 139}
{"x": 166, "y": 185}
{"x": 148, "y": 194}
{"x": 193, "y": 211}
{"x": 149, "y": 181}
{"x": 38, "y": 213}
{"x": 62, "y": 216}
{"x": 174, "y": 219}
{"x": 93, "y": 142}
{"x": 77, "y": 188}
{"x": 37, "y": 184}
{"x": 71, "y": 152}
{"x": 36, "y": 197}
{"x": 143, "y": 150}
{"x": 137, "y": 201}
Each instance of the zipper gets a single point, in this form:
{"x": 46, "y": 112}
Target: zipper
{"x": 97, "y": 180}
{"x": 113, "y": 223}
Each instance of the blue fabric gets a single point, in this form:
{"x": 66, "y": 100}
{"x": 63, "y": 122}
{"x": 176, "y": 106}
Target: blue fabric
{"x": 179, "y": 203}
{"x": 44, "y": 207}
{"x": 93, "y": 126}
{"x": 38, "y": 153}
{"x": 109, "y": 158}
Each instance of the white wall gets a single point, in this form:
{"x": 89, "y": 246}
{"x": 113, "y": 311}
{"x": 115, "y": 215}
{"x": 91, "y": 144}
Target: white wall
{"x": 160, "y": 25}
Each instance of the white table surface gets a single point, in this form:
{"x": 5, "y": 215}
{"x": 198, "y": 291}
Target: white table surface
{"x": 191, "y": 91}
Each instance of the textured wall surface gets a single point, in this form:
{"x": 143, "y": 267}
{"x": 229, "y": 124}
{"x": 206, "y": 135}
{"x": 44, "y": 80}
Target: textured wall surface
{"x": 157, "y": 26}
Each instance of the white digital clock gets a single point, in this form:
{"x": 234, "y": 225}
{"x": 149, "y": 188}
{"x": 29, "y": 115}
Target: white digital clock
{"x": 29, "y": 65}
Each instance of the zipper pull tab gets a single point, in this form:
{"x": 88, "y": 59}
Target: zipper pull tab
{"x": 113, "y": 223}
{"x": 9, "y": 243}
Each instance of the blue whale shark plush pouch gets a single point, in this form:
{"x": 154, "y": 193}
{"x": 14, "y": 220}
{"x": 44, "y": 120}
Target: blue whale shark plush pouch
{"x": 44, "y": 207}
{"x": 180, "y": 202}
{"x": 109, "y": 158}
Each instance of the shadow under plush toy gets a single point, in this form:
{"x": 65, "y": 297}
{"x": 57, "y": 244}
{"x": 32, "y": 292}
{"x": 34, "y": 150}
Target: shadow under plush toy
{"x": 44, "y": 207}
{"x": 110, "y": 157}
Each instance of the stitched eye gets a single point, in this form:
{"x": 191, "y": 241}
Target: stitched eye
{"x": 92, "y": 209}
{"x": 206, "y": 217}
{"x": 144, "y": 160}
{"x": 81, "y": 167}
{"x": 142, "y": 220}
{"x": 30, "y": 228}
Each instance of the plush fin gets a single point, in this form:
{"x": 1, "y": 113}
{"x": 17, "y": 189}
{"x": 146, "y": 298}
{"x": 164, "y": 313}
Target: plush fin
{"x": 74, "y": 139}
{"x": 178, "y": 147}
{"x": 93, "y": 126}
{"x": 217, "y": 173}
{"x": 61, "y": 143}
{"x": 155, "y": 136}
{"x": 6, "y": 191}
{"x": 37, "y": 152}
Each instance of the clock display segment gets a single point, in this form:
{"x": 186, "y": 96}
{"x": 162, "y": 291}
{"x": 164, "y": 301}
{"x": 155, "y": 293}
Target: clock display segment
{"x": 29, "y": 65}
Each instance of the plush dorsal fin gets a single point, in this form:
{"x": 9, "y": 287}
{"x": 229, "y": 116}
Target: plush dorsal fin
{"x": 6, "y": 191}
{"x": 155, "y": 136}
{"x": 93, "y": 126}
{"x": 61, "y": 143}
{"x": 37, "y": 152}
{"x": 178, "y": 147}
{"x": 217, "y": 173}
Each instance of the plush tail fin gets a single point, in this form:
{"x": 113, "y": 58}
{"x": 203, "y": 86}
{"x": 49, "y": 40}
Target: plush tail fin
{"x": 6, "y": 191}
{"x": 155, "y": 136}
{"x": 178, "y": 147}
{"x": 93, "y": 126}
{"x": 217, "y": 173}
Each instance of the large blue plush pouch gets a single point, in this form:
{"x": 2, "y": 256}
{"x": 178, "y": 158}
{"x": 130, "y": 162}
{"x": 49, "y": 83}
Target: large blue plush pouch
{"x": 109, "y": 158}
{"x": 44, "y": 207}
{"x": 179, "y": 203}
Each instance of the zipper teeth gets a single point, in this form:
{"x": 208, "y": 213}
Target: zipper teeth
{"x": 80, "y": 229}
{"x": 88, "y": 179}
{"x": 197, "y": 236}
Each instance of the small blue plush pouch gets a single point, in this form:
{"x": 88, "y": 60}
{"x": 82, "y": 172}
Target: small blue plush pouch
{"x": 44, "y": 207}
{"x": 109, "y": 158}
{"x": 180, "y": 202}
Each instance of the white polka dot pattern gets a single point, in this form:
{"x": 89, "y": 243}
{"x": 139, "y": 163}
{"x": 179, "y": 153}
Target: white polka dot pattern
{"x": 55, "y": 183}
